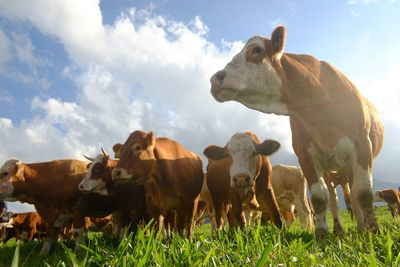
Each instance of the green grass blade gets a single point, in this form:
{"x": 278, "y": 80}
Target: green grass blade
{"x": 15, "y": 262}
{"x": 262, "y": 261}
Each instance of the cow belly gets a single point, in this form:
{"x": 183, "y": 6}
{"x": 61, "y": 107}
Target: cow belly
{"x": 336, "y": 159}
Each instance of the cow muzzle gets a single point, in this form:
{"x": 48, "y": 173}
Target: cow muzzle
{"x": 216, "y": 84}
{"x": 120, "y": 175}
{"x": 82, "y": 188}
{"x": 241, "y": 181}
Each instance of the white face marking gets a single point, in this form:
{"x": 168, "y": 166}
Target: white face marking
{"x": 93, "y": 185}
{"x": 256, "y": 86}
{"x": 7, "y": 171}
{"x": 244, "y": 157}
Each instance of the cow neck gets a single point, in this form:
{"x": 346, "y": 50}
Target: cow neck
{"x": 34, "y": 184}
{"x": 157, "y": 177}
{"x": 323, "y": 104}
{"x": 259, "y": 162}
{"x": 110, "y": 184}
{"x": 25, "y": 184}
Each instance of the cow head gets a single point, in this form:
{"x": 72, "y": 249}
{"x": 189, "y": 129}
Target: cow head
{"x": 137, "y": 162}
{"x": 251, "y": 77}
{"x": 8, "y": 174}
{"x": 244, "y": 150}
{"x": 94, "y": 180}
{"x": 378, "y": 196}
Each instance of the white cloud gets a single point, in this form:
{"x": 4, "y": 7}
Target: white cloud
{"x": 143, "y": 72}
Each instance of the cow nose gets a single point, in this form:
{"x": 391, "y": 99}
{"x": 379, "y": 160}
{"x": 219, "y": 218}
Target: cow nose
{"x": 242, "y": 180}
{"x": 218, "y": 78}
{"x": 80, "y": 187}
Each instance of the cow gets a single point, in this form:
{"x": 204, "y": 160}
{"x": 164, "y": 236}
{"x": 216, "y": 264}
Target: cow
{"x": 131, "y": 205}
{"x": 52, "y": 188}
{"x": 172, "y": 177}
{"x": 290, "y": 188}
{"x": 334, "y": 128}
{"x": 390, "y": 196}
{"x": 239, "y": 175}
{"x": 26, "y": 225}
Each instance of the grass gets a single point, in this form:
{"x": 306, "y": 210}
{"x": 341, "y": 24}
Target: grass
{"x": 253, "y": 246}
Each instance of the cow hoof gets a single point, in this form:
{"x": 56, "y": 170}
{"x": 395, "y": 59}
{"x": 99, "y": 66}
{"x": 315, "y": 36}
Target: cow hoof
{"x": 321, "y": 233}
{"x": 371, "y": 224}
{"x": 338, "y": 230}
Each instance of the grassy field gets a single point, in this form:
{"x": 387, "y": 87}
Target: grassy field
{"x": 254, "y": 246}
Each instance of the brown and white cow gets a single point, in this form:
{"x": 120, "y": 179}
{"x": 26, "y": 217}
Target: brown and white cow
{"x": 28, "y": 224}
{"x": 290, "y": 188}
{"x": 172, "y": 176}
{"x": 131, "y": 205}
{"x": 334, "y": 128}
{"x": 52, "y": 188}
{"x": 390, "y": 196}
{"x": 238, "y": 172}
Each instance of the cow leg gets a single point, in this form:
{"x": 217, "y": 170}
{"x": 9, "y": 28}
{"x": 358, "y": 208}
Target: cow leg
{"x": 303, "y": 210}
{"x": 269, "y": 205}
{"x": 346, "y": 193}
{"x": 392, "y": 209}
{"x": 78, "y": 230}
{"x": 79, "y": 234}
{"x": 190, "y": 216}
{"x": 51, "y": 236}
{"x": 288, "y": 217}
{"x": 319, "y": 192}
{"x": 362, "y": 198}
{"x": 220, "y": 213}
{"x": 31, "y": 233}
{"x": 236, "y": 212}
{"x": 286, "y": 211}
{"x": 333, "y": 205}
{"x": 247, "y": 215}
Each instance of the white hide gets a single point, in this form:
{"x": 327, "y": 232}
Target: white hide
{"x": 7, "y": 171}
{"x": 256, "y": 86}
{"x": 244, "y": 158}
{"x": 93, "y": 185}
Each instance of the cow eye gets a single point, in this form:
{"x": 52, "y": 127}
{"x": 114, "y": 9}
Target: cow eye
{"x": 256, "y": 50}
{"x": 138, "y": 147}
{"x": 4, "y": 174}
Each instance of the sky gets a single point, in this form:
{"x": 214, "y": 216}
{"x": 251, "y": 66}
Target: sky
{"x": 77, "y": 76}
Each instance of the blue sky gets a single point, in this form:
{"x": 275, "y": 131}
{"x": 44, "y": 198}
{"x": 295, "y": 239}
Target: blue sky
{"x": 79, "y": 75}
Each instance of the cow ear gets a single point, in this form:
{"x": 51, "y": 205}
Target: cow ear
{"x": 267, "y": 147}
{"x": 278, "y": 40}
{"x": 151, "y": 139}
{"x": 116, "y": 149}
{"x": 215, "y": 152}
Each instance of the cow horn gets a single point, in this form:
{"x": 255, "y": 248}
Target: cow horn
{"x": 104, "y": 153}
{"x": 89, "y": 158}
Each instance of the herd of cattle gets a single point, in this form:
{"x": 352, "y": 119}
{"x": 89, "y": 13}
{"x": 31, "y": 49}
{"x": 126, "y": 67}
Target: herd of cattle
{"x": 336, "y": 134}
